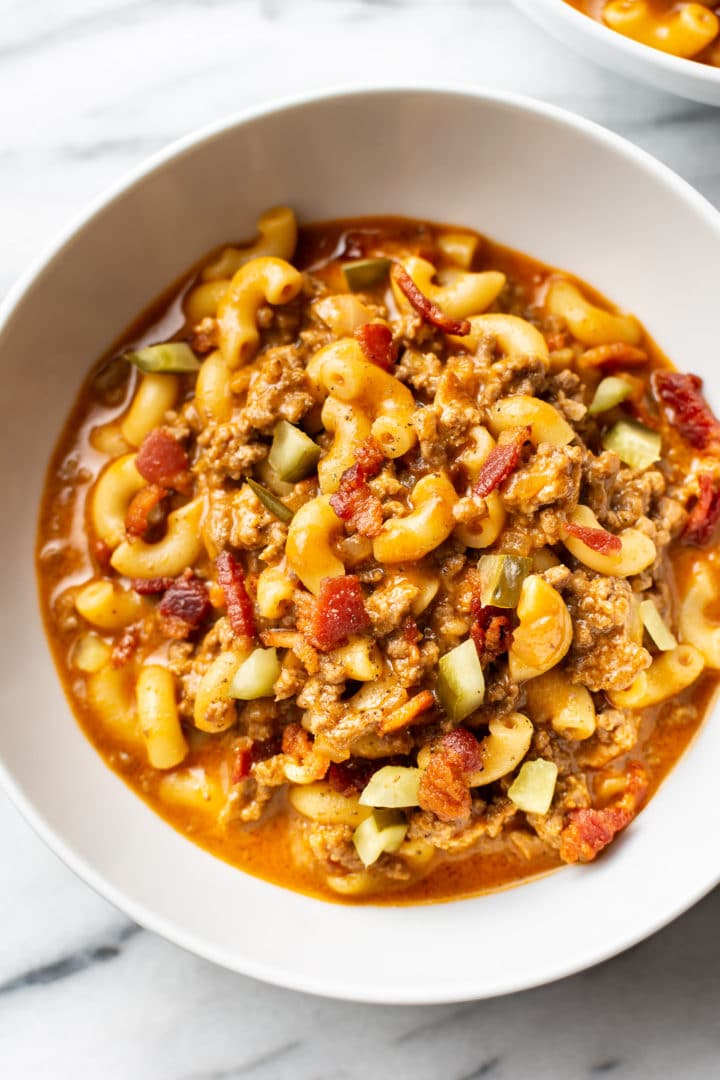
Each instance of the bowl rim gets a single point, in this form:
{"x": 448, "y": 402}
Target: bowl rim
{"x": 141, "y": 913}
{"x": 608, "y": 39}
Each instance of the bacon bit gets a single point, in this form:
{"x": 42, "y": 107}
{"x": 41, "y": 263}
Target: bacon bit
{"x": 376, "y": 342}
{"x": 339, "y": 612}
{"x": 102, "y": 553}
{"x": 407, "y": 714}
{"x": 248, "y": 754}
{"x": 350, "y": 777}
{"x": 444, "y": 788}
{"x": 500, "y": 463}
{"x": 425, "y": 307}
{"x": 205, "y": 336}
{"x": 356, "y": 505}
{"x": 491, "y": 630}
{"x": 613, "y": 357}
{"x": 589, "y": 831}
{"x": 686, "y": 408}
{"x": 600, "y": 540}
{"x": 231, "y": 580}
{"x": 243, "y": 764}
{"x": 151, "y": 586}
{"x": 705, "y": 514}
{"x": 124, "y": 649}
{"x": 140, "y": 511}
{"x": 162, "y": 460}
{"x": 370, "y": 457}
{"x": 184, "y": 606}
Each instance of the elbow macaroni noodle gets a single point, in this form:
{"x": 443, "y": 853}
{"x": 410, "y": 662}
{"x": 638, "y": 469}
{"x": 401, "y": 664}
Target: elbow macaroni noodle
{"x": 462, "y": 295}
{"x": 341, "y": 371}
{"x": 637, "y": 550}
{"x": 278, "y": 238}
{"x": 179, "y": 548}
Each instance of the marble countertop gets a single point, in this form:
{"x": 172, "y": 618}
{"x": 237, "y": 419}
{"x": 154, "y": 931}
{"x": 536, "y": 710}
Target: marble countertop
{"x": 89, "y": 88}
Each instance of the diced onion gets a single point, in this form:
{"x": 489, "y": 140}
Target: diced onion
{"x": 533, "y": 788}
{"x": 656, "y": 627}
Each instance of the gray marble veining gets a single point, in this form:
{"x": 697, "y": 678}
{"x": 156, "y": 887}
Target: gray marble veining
{"x": 90, "y": 88}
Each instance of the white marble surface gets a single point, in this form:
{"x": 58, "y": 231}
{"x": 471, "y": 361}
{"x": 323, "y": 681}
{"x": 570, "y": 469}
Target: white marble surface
{"x": 88, "y": 89}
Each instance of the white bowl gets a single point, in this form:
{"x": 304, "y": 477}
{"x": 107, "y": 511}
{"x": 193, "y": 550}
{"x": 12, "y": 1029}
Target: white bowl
{"x": 688, "y": 78}
{"x": 537, "y": 179}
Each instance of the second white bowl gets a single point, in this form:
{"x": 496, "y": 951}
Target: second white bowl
{"x": 688, "y": 78}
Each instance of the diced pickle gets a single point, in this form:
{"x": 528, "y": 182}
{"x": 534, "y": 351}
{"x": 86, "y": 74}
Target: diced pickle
{"x": 656, "y": 627}
{"x": 611, "y": 392}
{"x": 393, "y": 785}
{"x": 383, "y": 831}
{"x": 365, "y": 273}
{"x": 270, "y": 501}
{"x": 256, "y": 676}
{"x": 501, "y": 578}
{"x": 172, "y": 358}
{"x": 293, "y": 454}
{"x": 533, "y": 788}
{"x": 461, "y": 684}
{"x": 635, "y": 444}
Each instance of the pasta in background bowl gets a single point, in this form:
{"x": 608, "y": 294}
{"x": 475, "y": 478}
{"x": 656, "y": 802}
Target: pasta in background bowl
{"x": 651, "y": 41}
{"x": 85, "y": 812}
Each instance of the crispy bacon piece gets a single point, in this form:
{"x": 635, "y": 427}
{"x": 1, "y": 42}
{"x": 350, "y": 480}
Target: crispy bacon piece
{"x": 369, "y": 457}
{"x": 141, "y": 508}
{"x": 407, "y": 714}
{"x": 338, "y": 612}
{"x": 705, "y": 514}
{"x": 184, "y": 606}
{"x": 350, "y": 777}
{"x": 444, "y": 789}
{"x": 614, "y": 357}
{"x": 687, "y": 410}
{"x": 600, "y": 540}
{"x": 356, "y": 505}
{"x": 231, "y": 580}
{"x": 588, "y": 831}
{"x": 491, "y": 630}
{"x": 162, "y": 460}
{"x": 151, "y": 586}
{"x": 429, "y": 311}
{"x": 376, "y": 342}
{"x": 500, "y": 463}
